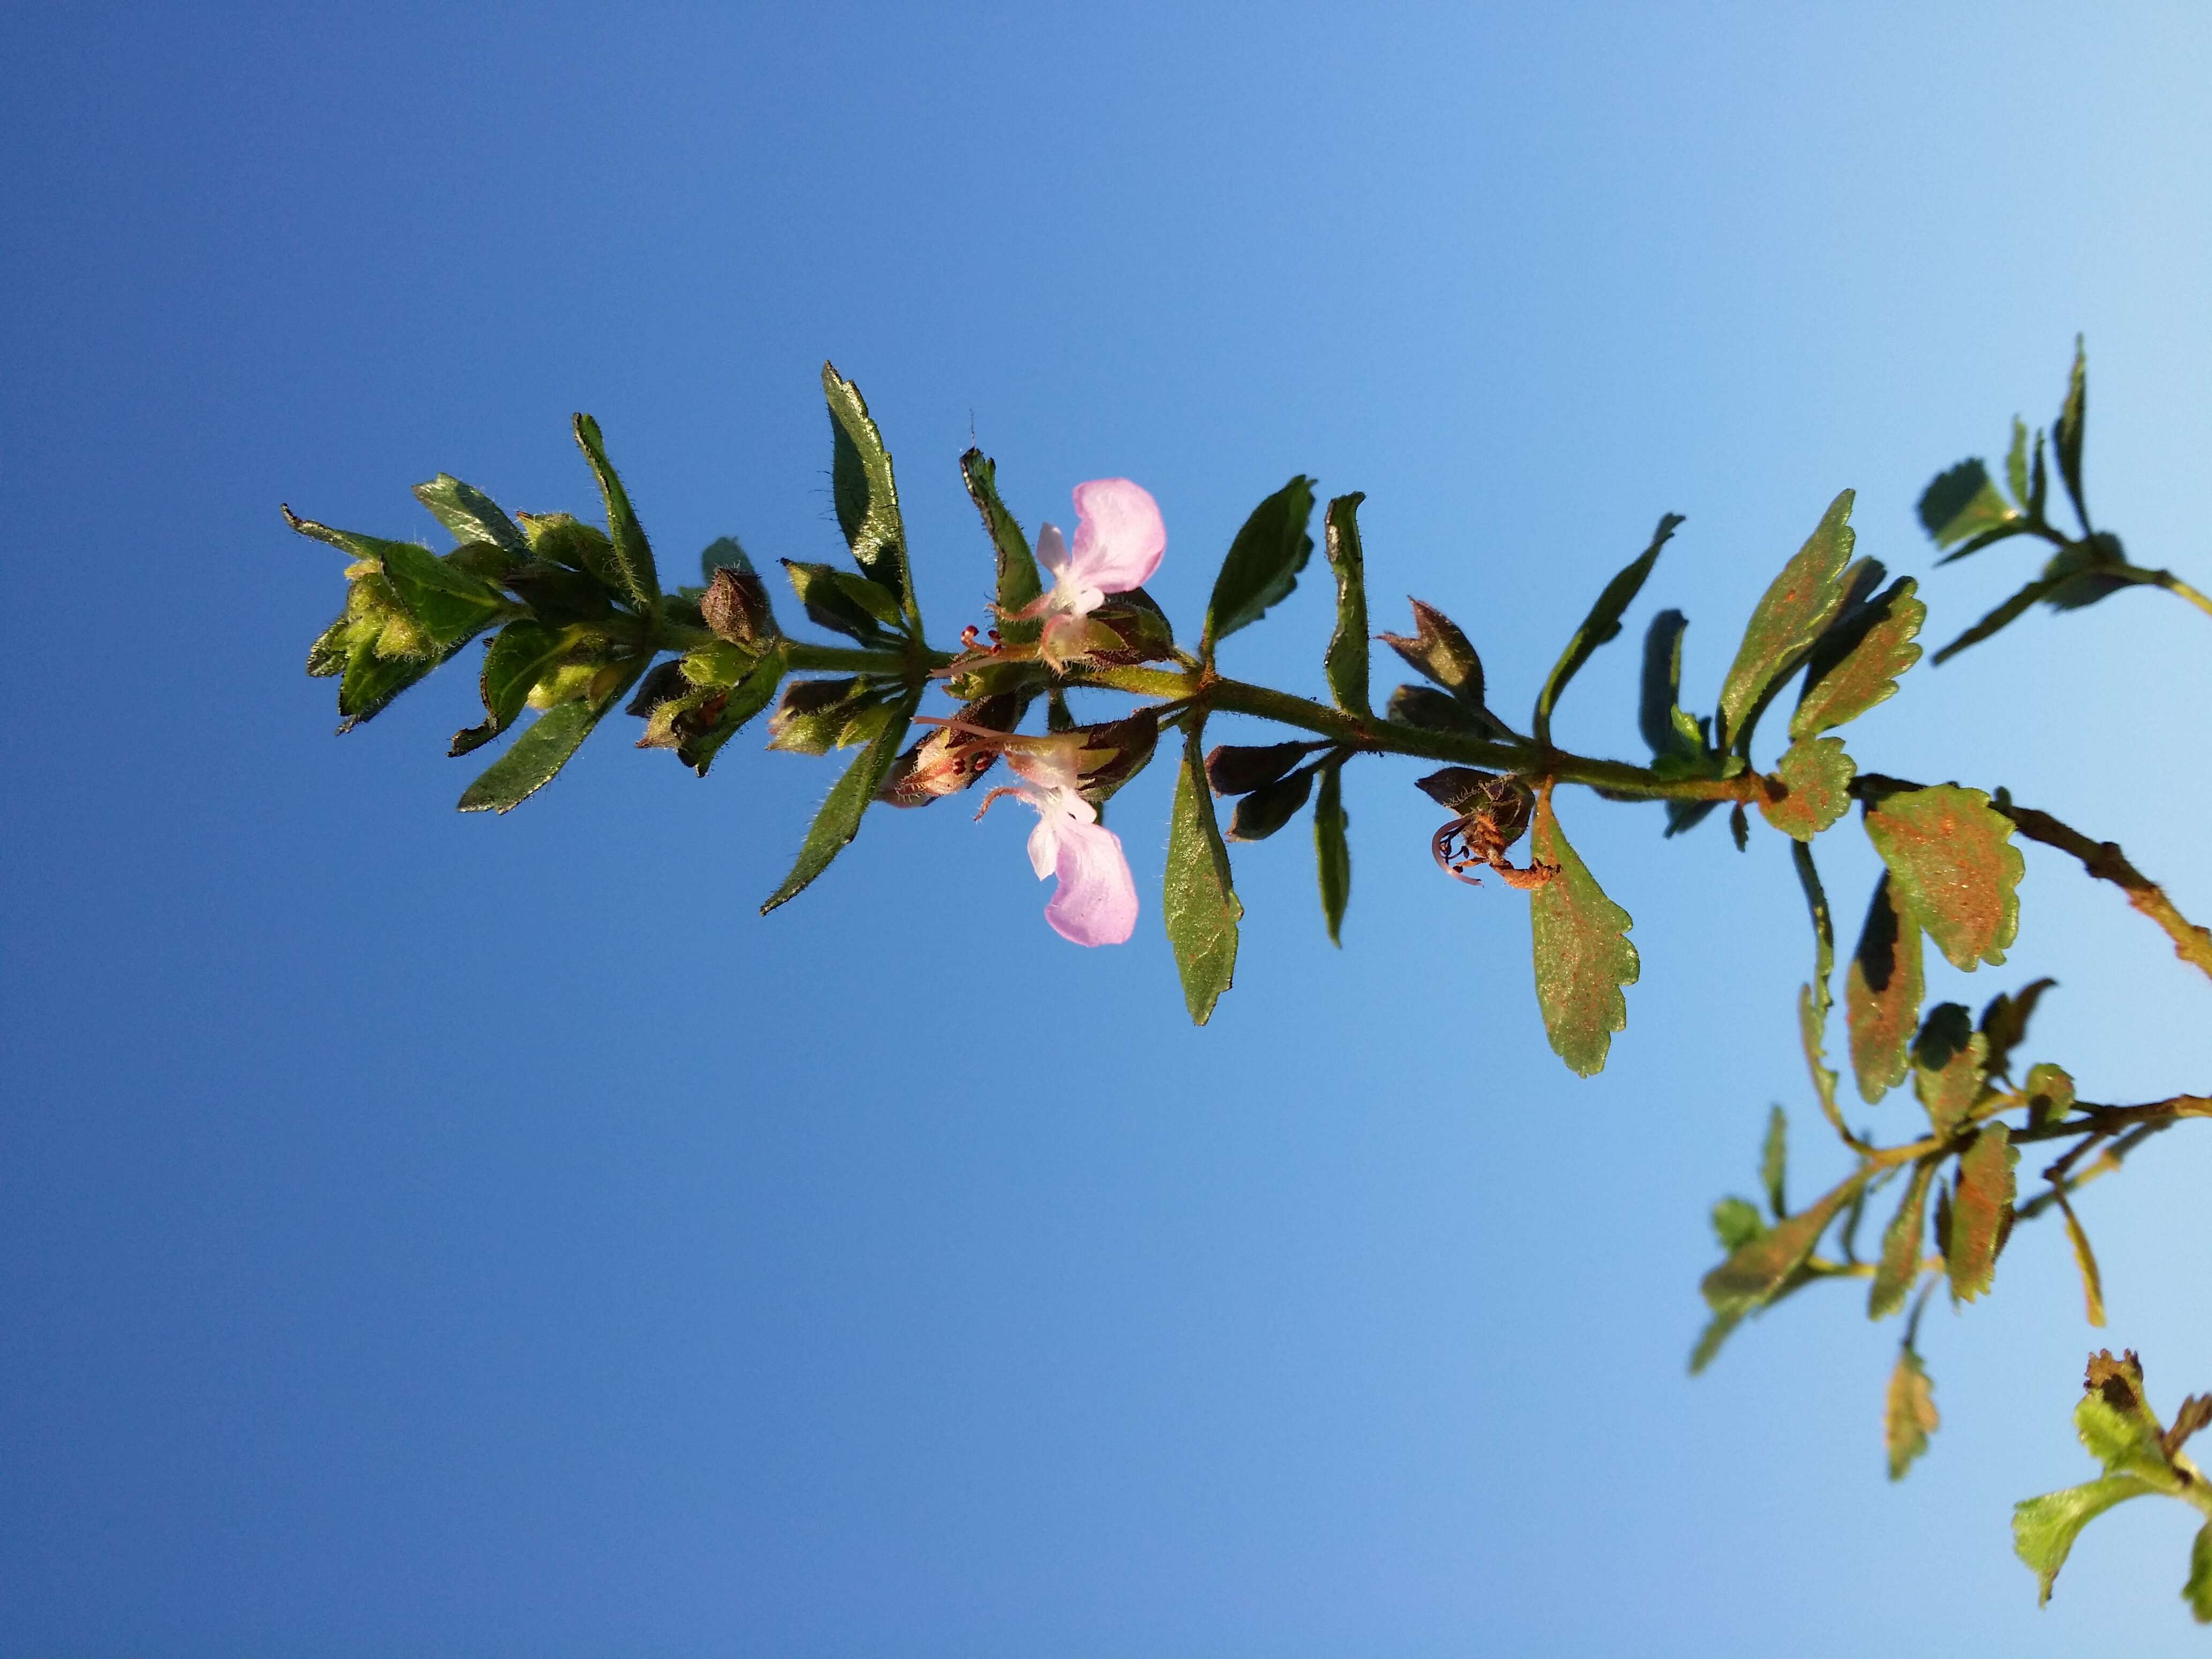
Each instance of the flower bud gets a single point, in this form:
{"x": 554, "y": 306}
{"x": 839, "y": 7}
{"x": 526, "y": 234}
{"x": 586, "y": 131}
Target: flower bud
{"x": 950, "y": 757}
{"x": 735, "y": 606}
{"x": 1230, "y": 770}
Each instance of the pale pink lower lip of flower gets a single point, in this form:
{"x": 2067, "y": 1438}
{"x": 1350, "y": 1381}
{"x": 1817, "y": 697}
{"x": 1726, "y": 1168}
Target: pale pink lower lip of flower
{"x": 1096, "y": 902}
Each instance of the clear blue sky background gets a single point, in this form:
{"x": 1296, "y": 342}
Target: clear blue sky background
{"x": 443, "y": 1235}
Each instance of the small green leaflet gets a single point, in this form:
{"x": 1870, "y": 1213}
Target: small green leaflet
{"x": 866, "y": 495}
{"x": 1981, "y": 1212}
{"x": 1583, "y": 955}
{"x": 1201, "y": 907}
{"x": 1951, "y": 855}
{"x": 2044, "y": 1529}
{"x": 838, "y": 820}
{"x": 1882, "y": 988}
{"x": 1898, "y": 1270}
{"x": 1345, "y": 664}
{"x": 1788, "y": 622}
{"x": 1262, "y": 564}
{"x": 2198, "y": 1592}
{"x": 1332, "y": 851}
{"x": 2067, "y": 433}
{"x": 1817, "y": 774}
{"x": 1962, "y": 505}
{"x": 1857, "y": 662}
{"x": 1774, "y": 1162}
{"x": 1754, "y": 1273}
{"x": 633, "y": 556}
{"x": 1018, "y": 583}
{"x": 1603, "y": 624}
{"x": 1909, "y": 1414}
{"x": 471, "y": 514}
{"x": 542, "y": 750}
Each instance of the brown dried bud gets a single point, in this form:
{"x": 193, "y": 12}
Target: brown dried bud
{"x": 735, "y": 606}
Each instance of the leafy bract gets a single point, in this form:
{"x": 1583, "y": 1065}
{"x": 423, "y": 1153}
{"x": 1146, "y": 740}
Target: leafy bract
{"x": 1899, "y": 1269}
{"x": 471, "y": 514}
{"x": 1882, "y": 988}
{"x": 1263, "y": 562}
{"x": 1951, "y": 855}
{"x": 1909, "y": 1415}
{"x": 1817, "y": 774}
{"x": 1346, "y": 663}
{"x": 866, "y": 496}
{"x": 1583, "y": 955}
{"x": 2044, "y": 1529}
{"x": 1788, "y": 622}
{"x": 1856, "y": 663}
{"x": 1199, "y": 902}
{"x": 1018, "y": 583}
{"x": 1981, "y": 1211}
{"x": 633, "y": 557}
{"x": 1603, "y": 624}
{"x": 1331, "y": 850}
{"x": 839, "y": 819}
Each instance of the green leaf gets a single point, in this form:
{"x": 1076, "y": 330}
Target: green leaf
{"x": 1774, "y": 1162}
{"x": 1262, "y": 564}
{"x": 1736, "y": 1223}
{"x": 1582, "y": 956}
{"x": 1951, "y": 855}
{"x": 1603, "y": 624}
{"x": 1909, "y": 1414}
{"x": 2116, "y": 1427}
{"x": 448, "y": 602}
{"x": 832, "y": 599}
{"x": 1981, "y": 1211}
{"x": 2198, "y": 1592}
{"x": 1882, "y": 989}
{"x": 1718, "y": 1330}
{"x": 521, "y": 655}
{"x": 2066, "y": 432}
{"x": 1332, "y": 851}
{"x": 2016, "y": 464}
{"x": 1857, "y": 662}
{"x": 747, "y": 698}
{"x": 371, "y": 681}
{"x": 2011, "y": 611}
{"x": 544, "y": 749}
{"x": 866, "y": 495}
{"x": 1949, "y": 1061}
{"x": 1345, "y": 664}
{"x": 1756, "y": 1271}
{"x": 2004, "y": 1022}
{"x": 1817, "y": 776}
{"x": 2044, "y": 1529}
{"x": 1018, "y": 583}
{"x": 1963, "y": 505}
{"x": 1199, "y": 904}
{"x": 471, "y": 514}
{"x": 1898, "y": 1270}
{"x": 2050, "y": 1092}
{"x": 1268, "y": 808}
{"x": 1669, "y": 730}
{"x": 2085, "y": 1262}
{"x": 1788, "y": 622}
{"x": 633, "y": 556}
{"x": 838, "y": 820}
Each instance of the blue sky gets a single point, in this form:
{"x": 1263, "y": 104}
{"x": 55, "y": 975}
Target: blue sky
{"x": 445, "y": 1235}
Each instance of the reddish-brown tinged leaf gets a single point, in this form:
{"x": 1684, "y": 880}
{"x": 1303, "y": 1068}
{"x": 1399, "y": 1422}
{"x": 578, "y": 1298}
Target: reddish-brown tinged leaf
{"x": 1900, "y": 1266}
{"x": 1817, "y": 774}
{"x": 1857, "y": 665}
{"x": 1583, "y": 957}
{"x": 1756, "y": 1271}
{"x": 1909, "y": 1414}
{"x": 1882, "y": 989}
{"x": 1951, "y": 857}
{"x": 1948, "y": 1067}
{"x": 1981, "y": 1211}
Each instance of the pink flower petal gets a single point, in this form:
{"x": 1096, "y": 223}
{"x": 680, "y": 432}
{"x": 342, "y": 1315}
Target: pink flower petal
{"x": 1096, "y": 902}
{"x": 1119, "y": 535}
{"x": 1051, "y": 550}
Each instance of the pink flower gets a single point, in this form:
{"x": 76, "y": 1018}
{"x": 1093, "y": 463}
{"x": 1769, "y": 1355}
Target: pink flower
{"x": 1119, "y": 538}
{"x": 1096, "y": 902}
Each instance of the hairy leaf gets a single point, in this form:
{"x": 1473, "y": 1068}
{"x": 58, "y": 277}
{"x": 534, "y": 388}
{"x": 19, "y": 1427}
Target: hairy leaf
{"x": 471, "y": 514}
{"x": 1981, "y": 1211}
{"x": 1898, "y": 1270}
{"x": 1018, "y": 583}
{"x": 1951, "y": 855}
{"x": 747, "y": 698}
{"x": 1332, "y": 851}
{"x": 838, "y": 820}
{"x": 1882, "y": 988}
{"x": 1603, "y": 624}
{"x": 832, "y": 599}
{"x": 1788, "y": 622}
{"x": 1856, "y": 663}
{"x": 1263, "y": 562}
{"x": 1199, "y": 902}
{"x": 1583, "y": 955}
{"x": 2044, "y": 1529}
{"x": 633, "y": 556}
{"x": 542, "y": 750}
{"x": 1962, "y": 504}
{"x": 521, "y": 655}
{"x": 1437, "y": 650}
{"x": 1817, "y": 774}
{"x": 1345, "y": 664}
{"x": 866, "y": 495}
{"x": 1909, "y": 1414}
